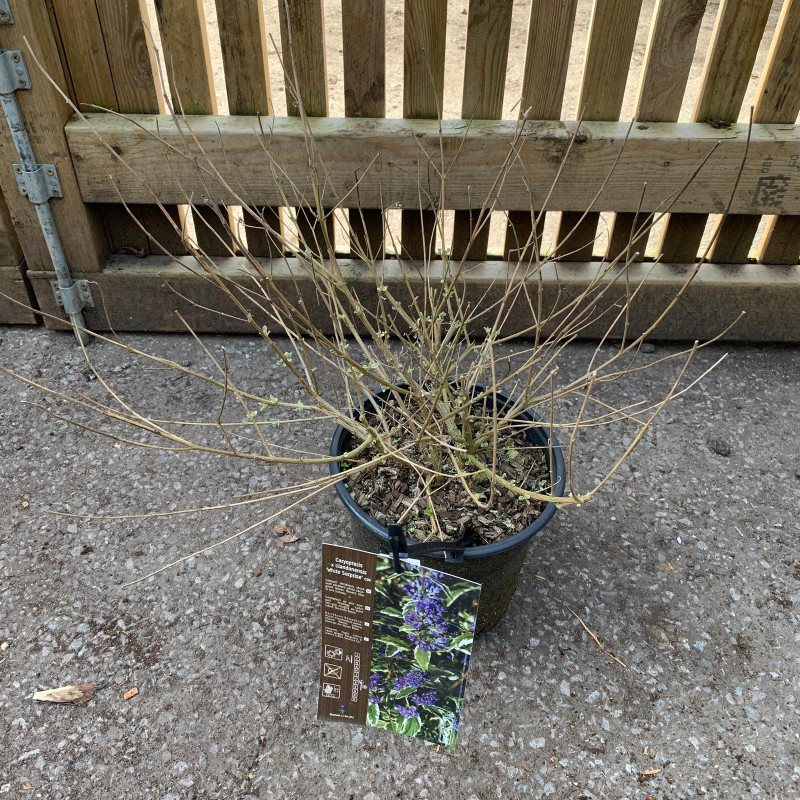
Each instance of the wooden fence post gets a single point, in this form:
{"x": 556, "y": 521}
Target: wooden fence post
{"x": 546, "y": 60}
{"x": 486, "y": 57}
{"x": 605, "y": 72}
{"x": 45, "y": 112}
{"x": 303, "y": 50}
{"x": 12, "y": 275}
{"x": 729, "y": 64}
{"x": 668, "y": 60}
{"x": 424, "y": 36}
{"x": 364, "y": 48}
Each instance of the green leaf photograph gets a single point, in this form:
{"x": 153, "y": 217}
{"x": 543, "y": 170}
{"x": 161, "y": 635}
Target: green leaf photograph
{"x": 423, "y": 622}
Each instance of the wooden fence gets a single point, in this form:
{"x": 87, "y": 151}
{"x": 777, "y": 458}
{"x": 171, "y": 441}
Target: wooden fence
{"x": 99, "y": 52}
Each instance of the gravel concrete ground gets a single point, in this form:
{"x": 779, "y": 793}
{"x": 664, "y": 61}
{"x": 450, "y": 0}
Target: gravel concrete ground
{"x": 686, "y": 568}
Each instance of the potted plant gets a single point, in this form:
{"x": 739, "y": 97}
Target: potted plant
{"x": 447, "y": 409}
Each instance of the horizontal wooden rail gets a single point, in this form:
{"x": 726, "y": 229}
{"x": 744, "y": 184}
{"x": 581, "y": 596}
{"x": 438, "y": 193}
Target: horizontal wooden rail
{"x": 391, "y": 158}
{"x": 145, "y": 294}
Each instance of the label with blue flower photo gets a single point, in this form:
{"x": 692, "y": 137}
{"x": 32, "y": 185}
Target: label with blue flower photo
{"x": 395, "y": 646}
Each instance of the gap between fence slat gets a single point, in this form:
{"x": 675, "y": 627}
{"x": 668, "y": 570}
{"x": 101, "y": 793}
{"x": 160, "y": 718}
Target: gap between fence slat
{"x": 668, "y": 61}
{"x": 424, "y": 38}
{"x": 737, "y": 35}
{"x": 605, "y": 72}
{"x": 777, "y": 100}
{"x": 547, "y": 51}
{"x": 303, "y": 55}
{"x": 364, "y": 60}
{"x": 485, "y": 60}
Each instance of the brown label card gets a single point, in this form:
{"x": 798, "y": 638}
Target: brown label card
{"x": 395, "y": 646}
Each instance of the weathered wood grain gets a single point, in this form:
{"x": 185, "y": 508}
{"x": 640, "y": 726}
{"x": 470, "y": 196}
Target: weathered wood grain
{"x": 737, "y": 34}
{"x": 424, "y": 38}
{"x": 777, "y": 100}
{"x": 144, "y": 294}
{"x": 131, "y": 58}
{"x": 668, "y": 61}
{"x": 547, "y": 57}
{"x": 780, "y": 241}
{"x": 10, "y": 248}
{"x": 605, "y": 72}
{"x": 243, "y": 41}
{"x": 187, "y": 57}
{"x": 303, "y": 53}
{"x": 12, "y": 276}
{"x": 486, "y": 56}
{"x": 45, "y": 112}
{"x": 664, "y": 155}
{"x": 364, "y": 56}
{"x": 77, "y": 23}
{"x": 545, "y": 74}
{"x": 16, "y": 298}
{"x": 110, "y": 59}
{"x": 305, "y": 73}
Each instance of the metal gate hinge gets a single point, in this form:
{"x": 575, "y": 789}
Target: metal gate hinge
{"x": 75, "y": 298}
{"x": 13, "y": 72}
{"x": 6, "y": 17}
{"x": 39, "y": 185}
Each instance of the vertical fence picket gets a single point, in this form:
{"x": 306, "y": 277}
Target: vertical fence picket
{"x": 605, "y": 72}
{"x": 668, "y": 61}
{"x": 364, "y": 56}
{"x": 83, "y": 49}
{"x": 45, "y": 113}
{"x": 305, "y": 71}
{"x": 737, "y": 34}
{"x": 12, "y": 271}
{"x": 488, "y": 33}
{"x": 777, "y": 101}
{"x": 109, "y": 64}
{"x": 10, "y": 250}
{"x": 243, "y": 40}
{"x": 425, "y": 30}
{"x": 543, "y": 81}
{"x": 188, "y": 71}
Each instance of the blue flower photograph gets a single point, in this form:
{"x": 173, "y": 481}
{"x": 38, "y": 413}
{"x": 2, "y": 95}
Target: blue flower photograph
{"x": 423, "y": 626}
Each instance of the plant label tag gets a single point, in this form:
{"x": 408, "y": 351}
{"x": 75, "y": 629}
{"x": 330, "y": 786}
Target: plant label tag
{"x": 395, "y": 646}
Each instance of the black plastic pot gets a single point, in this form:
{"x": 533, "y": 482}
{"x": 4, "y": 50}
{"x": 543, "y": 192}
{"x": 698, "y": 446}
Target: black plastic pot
{"x": 495, "y": 566}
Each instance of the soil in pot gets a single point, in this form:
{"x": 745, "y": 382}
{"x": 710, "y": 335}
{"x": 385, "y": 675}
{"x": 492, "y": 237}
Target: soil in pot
{"x": 392, "y": 490}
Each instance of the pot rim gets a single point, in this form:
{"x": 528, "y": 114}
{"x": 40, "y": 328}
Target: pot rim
{"x": 479, "y": 551}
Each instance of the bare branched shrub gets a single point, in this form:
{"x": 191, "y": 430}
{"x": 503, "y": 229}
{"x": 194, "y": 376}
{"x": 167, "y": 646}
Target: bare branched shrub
{"x": 415, "y": 335}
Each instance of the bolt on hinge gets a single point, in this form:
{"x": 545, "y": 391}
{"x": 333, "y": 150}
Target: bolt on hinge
{"x": 6, "y": 17}
{"x": 13, "y": 72}
{"x": 75, "y": 298}
{"x": 39, "y": 185}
